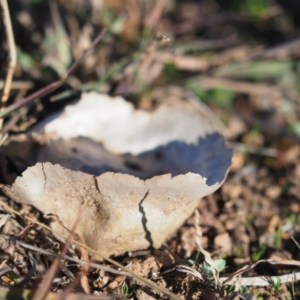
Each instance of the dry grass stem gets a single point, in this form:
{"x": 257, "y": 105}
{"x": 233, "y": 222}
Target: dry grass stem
{"x": 55, "y": 85}
{"x": 238, "y": 86}
{"x": 258, "y": 281}
{"x": 261, "y": 280}
{"x": 72, "y": 259}
{"x": 12, "y": 52}
{"x": 271, "y": 152}
{"x": 18, "y": 85}
{"x": 54, "y": 268}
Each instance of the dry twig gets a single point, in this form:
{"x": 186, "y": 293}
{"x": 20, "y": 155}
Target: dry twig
{"x": 238, "y": 86}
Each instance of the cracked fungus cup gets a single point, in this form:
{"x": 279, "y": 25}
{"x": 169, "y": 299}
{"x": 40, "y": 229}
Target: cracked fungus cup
{"x": 133, "y": 176}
